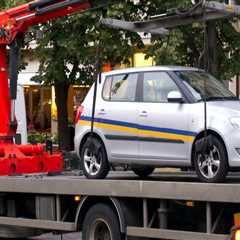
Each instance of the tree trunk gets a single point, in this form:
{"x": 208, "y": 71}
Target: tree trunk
{"x": 64, "y": 135}
{"x": 211, "y": 54}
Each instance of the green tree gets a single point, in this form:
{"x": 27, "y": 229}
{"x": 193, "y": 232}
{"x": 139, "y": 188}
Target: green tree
{"x": 11, "y": 3}
{"x": 67, "y": 53}
{"x": 185, "y": 45}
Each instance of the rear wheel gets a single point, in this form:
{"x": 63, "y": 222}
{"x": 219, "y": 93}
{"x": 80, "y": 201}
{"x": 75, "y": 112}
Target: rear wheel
{"x": 101, "y": 223}
{"x": 212, "y": 166}
{"x": 94, "y": 159}
{"x": 143, "y": 171}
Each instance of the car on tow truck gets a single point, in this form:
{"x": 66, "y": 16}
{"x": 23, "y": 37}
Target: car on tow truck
{"x": 153, "y": 117}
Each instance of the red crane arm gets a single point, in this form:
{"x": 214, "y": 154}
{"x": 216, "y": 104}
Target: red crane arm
{"x": 19, "y": 19}
{"x": 18, "y": 159}
{"x": 13, "y": 23}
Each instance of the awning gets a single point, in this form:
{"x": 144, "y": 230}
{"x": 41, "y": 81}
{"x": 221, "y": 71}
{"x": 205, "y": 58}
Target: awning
{"x": 24, "y": 78}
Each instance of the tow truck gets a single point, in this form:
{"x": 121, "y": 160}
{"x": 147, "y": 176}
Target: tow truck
{"x": 165, "y": 206}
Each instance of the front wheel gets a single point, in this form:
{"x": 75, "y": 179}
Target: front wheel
{"x": 101, "y": 223}
{"x": 212, "y": 166}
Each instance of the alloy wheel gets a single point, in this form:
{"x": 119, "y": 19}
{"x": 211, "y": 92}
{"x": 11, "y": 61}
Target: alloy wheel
{"x": 92, "y": 162}
{"x": 209, "y": 164}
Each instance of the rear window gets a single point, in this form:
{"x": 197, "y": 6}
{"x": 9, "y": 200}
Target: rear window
{"x": 120, "y": 87}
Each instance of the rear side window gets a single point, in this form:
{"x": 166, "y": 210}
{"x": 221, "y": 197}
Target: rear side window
{"x": 120, "y": 87}
{"x": 157, "y": 86}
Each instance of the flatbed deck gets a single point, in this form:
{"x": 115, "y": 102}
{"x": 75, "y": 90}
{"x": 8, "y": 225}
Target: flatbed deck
{"x": 157, "y": 193}
{"x": 179, "y": 186}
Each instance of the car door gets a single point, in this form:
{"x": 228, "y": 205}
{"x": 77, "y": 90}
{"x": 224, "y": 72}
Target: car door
{"x": 163, "y": 126}
{"x": 117, "y": 114}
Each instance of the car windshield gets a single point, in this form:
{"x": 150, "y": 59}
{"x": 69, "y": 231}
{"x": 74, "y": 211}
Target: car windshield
{"x": 215, "y": 89}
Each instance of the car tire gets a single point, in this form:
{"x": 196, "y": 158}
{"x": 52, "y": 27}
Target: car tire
{"x": 94, "y": 162}
{"x": 143, "y": 171}
{"x": 213, "y": 166}
{"x": 100, "y": 223}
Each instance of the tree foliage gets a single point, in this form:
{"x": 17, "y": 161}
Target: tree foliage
{"x": 72, "y": 41}
{"x": 185, "y": 45}
{"x": 11, "y": 3}
{"x": 67, "y": 52}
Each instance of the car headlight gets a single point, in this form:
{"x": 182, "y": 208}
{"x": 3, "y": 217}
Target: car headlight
{"x": 235, "y": 121}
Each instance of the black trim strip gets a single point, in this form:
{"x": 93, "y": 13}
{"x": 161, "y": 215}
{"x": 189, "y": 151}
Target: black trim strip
{"x": 143, "y": 139}
{"x": 40, "y": 3}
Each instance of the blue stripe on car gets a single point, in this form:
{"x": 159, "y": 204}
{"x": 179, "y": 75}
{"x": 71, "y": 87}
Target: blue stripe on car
{"x": 138, "y": 126}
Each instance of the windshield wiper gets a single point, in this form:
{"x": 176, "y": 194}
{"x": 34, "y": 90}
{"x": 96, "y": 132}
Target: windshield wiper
{"x": 215, "y": 98}
{"x": 230, "y": 98}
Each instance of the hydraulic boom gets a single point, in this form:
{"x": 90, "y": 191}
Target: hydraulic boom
{"x": 13, "y": 24}
{"x": 17, "y": 159}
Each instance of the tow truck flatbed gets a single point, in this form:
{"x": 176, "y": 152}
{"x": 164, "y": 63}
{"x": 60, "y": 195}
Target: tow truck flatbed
{"x": 60, "y": 203}
{"x": 181, "y": 186}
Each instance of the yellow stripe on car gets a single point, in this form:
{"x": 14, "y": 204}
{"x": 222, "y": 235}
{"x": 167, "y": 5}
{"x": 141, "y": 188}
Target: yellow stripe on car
{"x": 139, "y": 132}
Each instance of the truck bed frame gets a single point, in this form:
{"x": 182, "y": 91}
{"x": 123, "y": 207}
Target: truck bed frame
{"x": 157, "y": 198}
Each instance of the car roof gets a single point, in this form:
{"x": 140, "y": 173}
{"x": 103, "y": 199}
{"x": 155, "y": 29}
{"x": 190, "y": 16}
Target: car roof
{"x": 148, "y": 69}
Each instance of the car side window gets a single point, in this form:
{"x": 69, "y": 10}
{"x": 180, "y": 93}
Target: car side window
{"x": 106, "y": 88}
{"x": 157, "y": 86}
{"x": 120, "y": 87}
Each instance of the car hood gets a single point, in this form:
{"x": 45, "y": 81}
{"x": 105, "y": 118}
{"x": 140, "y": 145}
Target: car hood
{"x": 226, "y": 107}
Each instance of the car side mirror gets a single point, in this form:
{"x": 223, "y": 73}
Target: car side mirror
{"x": 175, "y": 97}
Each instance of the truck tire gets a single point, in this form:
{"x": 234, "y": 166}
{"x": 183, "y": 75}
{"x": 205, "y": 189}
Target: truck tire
{"x": 213, "y": 166}
{"x": 143, "y": 171}
{"x": 94, "y": 160}
{"x": 101, "y": 223}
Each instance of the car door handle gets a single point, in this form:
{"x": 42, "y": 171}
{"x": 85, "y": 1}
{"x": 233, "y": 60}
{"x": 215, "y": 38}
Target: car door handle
{"x": 102, "y": 112}
{"x": 143, "y": 114}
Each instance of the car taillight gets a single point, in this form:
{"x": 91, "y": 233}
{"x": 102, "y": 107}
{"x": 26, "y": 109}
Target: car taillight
{"x": 78, "y": 114}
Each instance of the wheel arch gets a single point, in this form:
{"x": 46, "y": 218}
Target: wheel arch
{"x": 88, "y": 201}
{"x": 200, "y": 135}
{"x": 95, "y": 135}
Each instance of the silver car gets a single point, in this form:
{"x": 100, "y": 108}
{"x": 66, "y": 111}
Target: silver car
{"x": 154, "y": 117}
